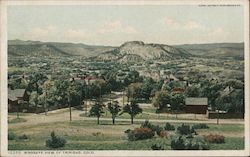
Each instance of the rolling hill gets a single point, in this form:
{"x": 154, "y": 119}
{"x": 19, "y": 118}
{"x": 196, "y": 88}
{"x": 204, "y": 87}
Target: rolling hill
{"x": 235, "y": 50}
{"x": 37, "y": 48}
{"x": 129, "y": 51}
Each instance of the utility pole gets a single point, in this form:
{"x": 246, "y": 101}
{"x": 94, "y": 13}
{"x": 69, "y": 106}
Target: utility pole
{"x": 70, "y": 118}
{"x": 17, "y": 111}
{"x": 218, "y": 115}
{"x": 86, "y": 106}
{"x": 123, "y": 98}
{"x": 45, "y": 105}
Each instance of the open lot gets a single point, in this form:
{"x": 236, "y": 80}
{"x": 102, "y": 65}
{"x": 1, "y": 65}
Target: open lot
{"x": 84, "y": 134}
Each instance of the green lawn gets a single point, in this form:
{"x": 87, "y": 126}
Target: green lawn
{"x": 81, "y": 135}
{"x": 231, "y": 143}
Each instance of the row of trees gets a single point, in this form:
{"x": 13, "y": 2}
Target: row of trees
{"x": 115, "y": 109}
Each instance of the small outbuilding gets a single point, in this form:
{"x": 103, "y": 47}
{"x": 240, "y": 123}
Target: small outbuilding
{"x": 14, "y": 96}
{"x": 196, "y": 105}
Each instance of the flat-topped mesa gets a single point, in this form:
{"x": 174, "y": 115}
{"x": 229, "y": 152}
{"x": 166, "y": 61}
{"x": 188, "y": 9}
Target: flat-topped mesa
{"x": 151, "y": 50}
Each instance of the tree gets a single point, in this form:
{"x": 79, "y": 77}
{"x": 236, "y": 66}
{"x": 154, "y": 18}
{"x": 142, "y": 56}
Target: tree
{"x": 134, "y": 90}
{"x": 61, "y": 92}
{"x": 211, "y": 89}
{"x": 161, "y": 99}
{"x": 36, "y": 100}
{"x": 232, "y": 102}
{"x": 132, "y": 109}
{"x": 156, "y": 87}
{"x": 177, "y": 102}
{"x": 146, "y": 88}
{"x": 192, "y": 91}
{"x": 47, "y": 87}
{"x": 114, "y": 109}
{"x": 74, "y": 91}
{"x": 96, "y": 110}
{"x": 233, "y": 83}
{"x": 132, "y": 77}
{"x": 36, "y": 80}
{"x": 101, "y": 84}
{"x": 18, "y": 83}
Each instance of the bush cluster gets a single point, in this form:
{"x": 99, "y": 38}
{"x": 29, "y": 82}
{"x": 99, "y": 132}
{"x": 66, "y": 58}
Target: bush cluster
{"x": 169, "y": 127}
{"x": 55, "y": 141}
{"x": 157, "y": 146}
{"x": 184, "y": 143}
{"x": 11, "y": 136}
{"x": 163, "y": 133}
{"x": 140, "y": 134}
{"x": 215, "y": 138}
{"x": 23, "y": 137}
{"x": 201, "y": 126}
{"x": 147, "y": 124}
{"x": 185, "y": 130}
{"x": 155, "y": 128}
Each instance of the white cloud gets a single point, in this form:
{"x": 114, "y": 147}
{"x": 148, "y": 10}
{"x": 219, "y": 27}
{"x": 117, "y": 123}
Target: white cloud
{"x": 130, "y": 29}
{"x": 51, "y": 28}
{"x": 193, "y": 25}
{"x": 217, "y": 32}
{"x": 74, "y": 33}
{"x": 115, "y": 27}
{"x": 170, "y": 22}
{"x": 187, "y": 25}
{"x": 41, "y": 32}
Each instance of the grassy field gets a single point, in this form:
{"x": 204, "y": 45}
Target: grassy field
{"x": 17, "y": 120}
{"x": 87, "y": 135}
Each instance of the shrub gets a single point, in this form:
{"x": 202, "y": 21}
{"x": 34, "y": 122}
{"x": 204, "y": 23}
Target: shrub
{"x": 158, "y": 129}
{"x": 215, "y": 138}
{"x": 200, "y": 126}
{"x": 178, "y": 143}
{"x": 97, "y": 134}
{"x": 11, "y": 136}
{"x": 147, "y": 124}
{"x": 127, "y": 131}
{"x": 163, "y": 133}
{"x": 23, "y": 137}
{"x": 55, "y": 141}
{"x": 197, "y": 143}
{"x": 140, "y": 134}
{"x": 193, "y": 131}
{"x": 185, "y": 130}
{"x": 184, "y": 143}
{"x": 169, "y": 127}
{"x": 155, "y": 128}
{"x": 157, "y": 146}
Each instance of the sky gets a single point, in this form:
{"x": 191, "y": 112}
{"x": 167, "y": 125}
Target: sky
{"x": 115, "y": 24}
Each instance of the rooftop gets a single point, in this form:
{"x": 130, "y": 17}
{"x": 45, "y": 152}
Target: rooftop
{"x": 196, "y": 101}
{"x": 15, "y": 94}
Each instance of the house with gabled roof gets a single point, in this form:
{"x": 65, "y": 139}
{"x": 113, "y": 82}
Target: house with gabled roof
{"x": 14, "y": 98}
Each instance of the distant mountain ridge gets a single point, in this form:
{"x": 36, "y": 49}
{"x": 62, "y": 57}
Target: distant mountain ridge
{"x": 37, "y": 48}
{"x": 129, "y": 51}
{"x": 215, "y": 49}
